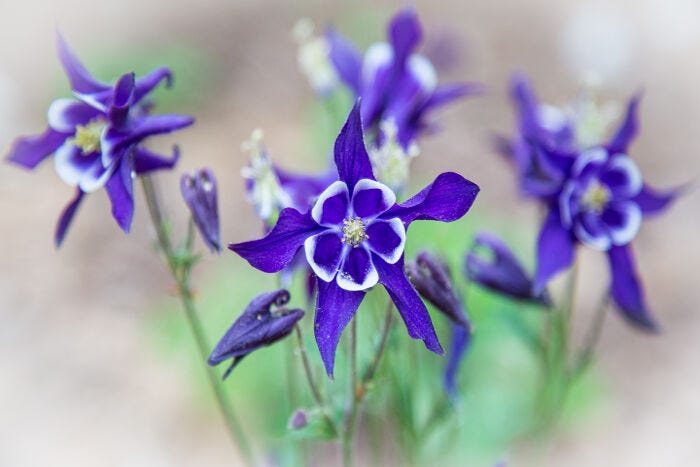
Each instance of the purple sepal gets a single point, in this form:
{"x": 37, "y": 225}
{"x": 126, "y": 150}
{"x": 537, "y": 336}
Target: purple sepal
{"x": 652, "y": 201}
{"x": 626, "y": 289}
{"x": 335, "y": 307}
{"x": 67, "y": 217}
{"x": 412, "y": 309}
{"x": 200, "y": 193}
{"x": 446, "y": 93}
{"x": 345, "y": 58}
{"x": 146, "y": 161}
{"x": 431, "y": 277}
{"x": 461, "y": 338}
{"x": 628, "y": 130}
{"x": 80, "y": 79}
{"x": 500, "y": 271}
{"x": 148, "y": 82}
{"x": 29, "y": 151}
{"x": 120, "y": 188}
{"x": 405, "y": 33}
{"x": 555, "y": 250}
{"x": 274, "y": 251}
{"x": 257, "y": 327}
{"x": 351, "y": 157}
{"x": 447, "y": 199}
{"x": 123, "y": 96}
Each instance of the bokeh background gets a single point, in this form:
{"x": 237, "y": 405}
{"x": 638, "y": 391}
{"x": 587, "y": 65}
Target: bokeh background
{"x": 95, "y": 366}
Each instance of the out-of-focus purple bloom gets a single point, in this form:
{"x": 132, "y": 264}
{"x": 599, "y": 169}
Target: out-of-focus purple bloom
{"x": 500, "y": 270}
{"x": 95, "y": 137}
{"x": 395, "y": 83}
{"x": 431, "y": 277}
{"x": 313, "y": 58}
{"x": 602, "y": 202}
{"x": 200, "y": 193}
{"x": 257, "y": 327}
{"x": 354, "y": 237}
{"x": 298, "y": 420}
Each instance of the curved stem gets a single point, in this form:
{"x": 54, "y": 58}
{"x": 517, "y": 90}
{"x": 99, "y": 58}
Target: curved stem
{"x": 180, "y": 273}
{"x": 585, "y": 356}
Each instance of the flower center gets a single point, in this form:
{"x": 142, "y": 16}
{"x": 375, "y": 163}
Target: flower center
{"x": 596, "y": 197}
{"x": 354, "y": 231}
{"x": 87, "y": 137}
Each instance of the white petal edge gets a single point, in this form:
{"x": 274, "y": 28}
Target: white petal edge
{"x": 371, "y": 279}
{"x": 74, "y": 177}
{"x": 625, "y": 164}
{"x": 377, "y": 56}
{"x": 310, "y": 249}
{"x": 586, "y": 157}
{"x": 398, "y": 228}
{"x": 565, "y": 204}
{"x": 332, "y": 190}
{"x": 56, "y": 114}
{"x": 363, "y": 184}
{"x": 601, "y": 243}
{"x": 424, "y": 72}
{"x": 633, "y": 221}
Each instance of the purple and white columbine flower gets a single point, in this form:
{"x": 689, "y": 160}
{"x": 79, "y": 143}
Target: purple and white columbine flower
{"x": 353, "y": 238}
{"x": 602, "y": 202}
{"x": 395, "y": 83}
{"x": 95, "y": 137}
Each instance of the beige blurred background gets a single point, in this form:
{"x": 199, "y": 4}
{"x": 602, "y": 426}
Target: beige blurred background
{"x": 79, "y": 382}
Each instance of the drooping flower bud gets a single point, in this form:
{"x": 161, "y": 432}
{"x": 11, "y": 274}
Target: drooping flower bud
{"x": 200, "y": 194}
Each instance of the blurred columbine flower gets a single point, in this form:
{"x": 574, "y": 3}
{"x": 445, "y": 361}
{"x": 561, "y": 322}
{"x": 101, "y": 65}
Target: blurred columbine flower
{"x": 491, "y": 264}
{"x": 394, "y": 81}
{"x": 601, "y": 203}
{"x": 431, "y": 277}
{"x": 391, "y": 163}
{"x": 95, "y": 137}
{"x": 313, "y": 58}
{"x": 200, "y": 193}
{"x": 265, "y": 321}
{"x": 353, "y": 239}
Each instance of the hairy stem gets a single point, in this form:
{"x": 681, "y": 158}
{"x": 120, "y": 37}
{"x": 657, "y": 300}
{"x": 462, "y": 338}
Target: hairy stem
{"x": 180, "y": 273}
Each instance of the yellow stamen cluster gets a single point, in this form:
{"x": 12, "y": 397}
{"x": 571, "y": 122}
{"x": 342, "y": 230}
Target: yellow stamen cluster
{"x": 87, "y": 137}
{"x": 596, "y": 197}
{"x": 354, "y": 231}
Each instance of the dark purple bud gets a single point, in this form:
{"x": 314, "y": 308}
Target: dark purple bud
{"x": 500, "y": 270}
{"x": 257, "y": 327}
{"x": 298, "y": 420}
{"x": 431, "y": 278}
{"x": 199, "y": 192}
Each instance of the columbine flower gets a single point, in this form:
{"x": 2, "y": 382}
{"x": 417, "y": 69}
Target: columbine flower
{"x": 601, "y": 204}
{"x": 353, "y": 239}
{"x": 313, "y": 58}
{"x": 500, "y": 271}
{"x": 200, "y": 194}
{"x": 390, "y": 161}
{"x": 95, "y": 137}
{"x": 257, "y": 327}
{"x": 432, "y": 279}
{"x": 393, "y": 81}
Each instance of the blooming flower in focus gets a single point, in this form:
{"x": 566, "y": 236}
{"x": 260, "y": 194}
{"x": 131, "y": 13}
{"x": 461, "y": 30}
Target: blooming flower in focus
{"x": 257, "y": 327}
{"x": 313, "y": 58}
{"x": 95, "y": 137}
{"x": 200, "y": 194}
{"x": 394, "y": 82}
{"x": 432, "y": 279}
{"x": 353, "y": 238}
{"x": 500, "y": 270}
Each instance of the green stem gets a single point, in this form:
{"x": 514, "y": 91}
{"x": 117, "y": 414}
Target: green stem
{"x": 585, "y": 356}
{"x": 181, "y": 275}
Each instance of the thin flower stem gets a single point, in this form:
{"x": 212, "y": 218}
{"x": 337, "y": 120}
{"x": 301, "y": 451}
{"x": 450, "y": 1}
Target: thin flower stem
{"x": 181, "y": 276}
{"x": 585, "y": 356}
{"x": 350, "y": 419}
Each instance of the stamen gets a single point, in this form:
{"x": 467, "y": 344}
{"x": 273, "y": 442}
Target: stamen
{"x": 354, "y": 231}
{"x": 87, "y": 137}
{"x": 596, "y": 197}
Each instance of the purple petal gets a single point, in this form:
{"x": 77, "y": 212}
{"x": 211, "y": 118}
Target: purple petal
{"x": 622, "y": 219}
{"x": 147, "y": 83}
{"x": 345, "y": 58}
{"x": 628, "y": 131}
{"x": 146, "y": 161}
{"x": 622, "y": 176}
{"x": 303, "y": 189}
{"x": 409, "y": 95}
{"x": 67, "y": 217}
{"x": 387, "y": 239}
{"x": 335, "y": 307}
{"x": 65, "y": 114}
{"x": 80, "y": 79}
{"x": 555, "y": 250}
{"x": 83, "y": 170}
{"x": 626, "y": 289}
{"x": 371, "y": 198}
{"x": 461, "y": 337}
{"x": 29, "y": 151}
{"x": 199, "y": 191}
{"x": 412, "y": 309}
{"x": 351, "y": 157}
{"x": 122, "y": 99}
{"x": 526, "y": 104}
{"x": 447, "y": 199}
{"x": 331, "y": 207}
{"x": 591, "y": 230}
{"x": 357, "y": 271}
{"x": 653, "y": 202}
{"x": 323, "y": 253}
{"x": 378, "y": 74}
{"x": 446, "y": 93}
{"x": 405, "y": 33}
{"x": 120, "y": 188}
{"x": 274, "y": 251}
